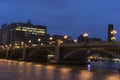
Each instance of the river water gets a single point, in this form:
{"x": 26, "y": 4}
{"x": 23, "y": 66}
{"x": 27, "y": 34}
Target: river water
{"x": 18, "y": 70}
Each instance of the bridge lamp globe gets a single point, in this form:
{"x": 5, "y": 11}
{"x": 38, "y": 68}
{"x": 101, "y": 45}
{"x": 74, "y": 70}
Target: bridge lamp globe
{"x": 10, "y": 45}
{"x": 3, "y": 47}
{"x": 61, "y": 41}
{"x": 51, "y": 38}
{"x": 85, "y": 35}
{"x": 39, "y": 39}
{"x": 75, "y": 40}
{"x": 29, "y": 41}
{"x": 6, "y": 46}
{"x": 65, "y": 37}
{"x": 22, "y": 42}
{"x": 42, "y": 44}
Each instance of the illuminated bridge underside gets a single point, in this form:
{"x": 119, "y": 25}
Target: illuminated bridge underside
{"x": 66, "y": 51}
{"x": 93, "y": 50}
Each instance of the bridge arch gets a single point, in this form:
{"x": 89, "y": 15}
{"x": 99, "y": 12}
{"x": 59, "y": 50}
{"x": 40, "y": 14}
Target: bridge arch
{"x": 40, "y": 55}
{"x": 17, "y": 54}
{"x": 93, "y": 50}
{"x": 2, "y": 53}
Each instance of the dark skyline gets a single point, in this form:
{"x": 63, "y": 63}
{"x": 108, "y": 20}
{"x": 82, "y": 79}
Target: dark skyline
{"x": 65, "y": 17}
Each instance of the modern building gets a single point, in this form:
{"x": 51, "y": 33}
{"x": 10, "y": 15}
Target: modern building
{"x": 110, "y": 29}
{"x": 15, "y": 34}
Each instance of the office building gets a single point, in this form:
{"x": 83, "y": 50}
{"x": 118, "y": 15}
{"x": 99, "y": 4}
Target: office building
{"x": 16, "y": 34}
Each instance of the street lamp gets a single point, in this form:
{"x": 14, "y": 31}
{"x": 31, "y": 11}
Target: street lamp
{"x": 51, "y": 38}
{"x": 85, "y": 35}
{"x": 29, "y": 42}
{"x": 39, "y": 39}
{"x": 39, "y": 42}
{"x": 65, "y": 37}
{"x": 7, "y": 50}
{"x": 75, "y": 41}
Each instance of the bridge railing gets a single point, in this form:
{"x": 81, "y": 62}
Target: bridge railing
{"x": 102, "y": 44}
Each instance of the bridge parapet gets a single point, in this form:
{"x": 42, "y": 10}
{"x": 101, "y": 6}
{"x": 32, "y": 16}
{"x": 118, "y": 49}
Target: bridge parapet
{"x": 47, "y": 45}
{"x": 93, "y": 44}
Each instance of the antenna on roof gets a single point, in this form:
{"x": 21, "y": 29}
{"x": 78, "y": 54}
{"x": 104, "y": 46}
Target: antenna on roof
{"x": 29, "y": 21}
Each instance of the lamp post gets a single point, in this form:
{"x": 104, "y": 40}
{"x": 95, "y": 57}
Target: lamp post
{"x": 75, "y": 41}
{"x": 22, "y": 43}
{"x": 65, "y": 38}
{"x": 51, "y": 38}
{"x": 7, "y": 51}
{"x": 39, "y": 42}
{"x": 24, "y": 50}
{"x": 29, "y": 43}
{"x": 85, "y": 35}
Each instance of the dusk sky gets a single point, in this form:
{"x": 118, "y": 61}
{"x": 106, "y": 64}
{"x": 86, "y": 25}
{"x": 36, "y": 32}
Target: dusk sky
{"x": 65, "y": 17}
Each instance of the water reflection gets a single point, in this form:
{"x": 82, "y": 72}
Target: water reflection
{"x": 85, "y": 75}
{"x": 89, "y": 67}
{"x": 65, "y": 73}
{"x": 112, "y": 77}
{"x": 15, "y": 70}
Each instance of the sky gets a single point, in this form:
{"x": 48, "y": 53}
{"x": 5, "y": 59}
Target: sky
{"x": 65, "y": 17}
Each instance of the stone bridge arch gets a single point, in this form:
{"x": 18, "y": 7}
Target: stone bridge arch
{"x": 15, "y": 54}
{"x": 99, "y": 50}
{"x": 2, "y": 53}
{"x": 40, "y": 55}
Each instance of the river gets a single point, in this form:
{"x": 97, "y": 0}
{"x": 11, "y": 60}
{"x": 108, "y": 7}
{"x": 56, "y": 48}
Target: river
{"x": 20, "y": 70}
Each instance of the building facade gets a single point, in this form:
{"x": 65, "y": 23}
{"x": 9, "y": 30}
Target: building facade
{"x": 82, "y": 39}
{"x": 15, "y": 34}
{"x": 110, "y": 29}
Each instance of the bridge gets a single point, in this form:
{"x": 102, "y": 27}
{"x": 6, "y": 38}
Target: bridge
{"x": 66, "y": 52}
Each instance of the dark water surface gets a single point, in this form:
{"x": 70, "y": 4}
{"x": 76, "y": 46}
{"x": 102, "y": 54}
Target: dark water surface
{"x": 18, "y": 70}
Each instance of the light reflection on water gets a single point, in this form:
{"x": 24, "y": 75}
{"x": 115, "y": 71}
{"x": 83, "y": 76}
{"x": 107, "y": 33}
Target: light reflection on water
{"x": 14, "y": 70}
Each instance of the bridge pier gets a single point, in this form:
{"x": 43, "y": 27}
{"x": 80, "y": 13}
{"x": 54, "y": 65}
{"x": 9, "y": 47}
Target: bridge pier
{"x": 24, "y": 52}
{"x": 7, "y": 52}
{"x": 57, "y": 50}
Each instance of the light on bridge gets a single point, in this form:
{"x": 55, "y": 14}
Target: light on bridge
{"x": 51, "y": 38}
{"x": 85, "y": 35}
{"x": 10, "y": 45}
{"x": 75, "y": 40}
{"x": 29, "y": 41}
{"x": 65, "y": 37}
{"x": 22, "y": 42}
{"x": 39, "y": 39}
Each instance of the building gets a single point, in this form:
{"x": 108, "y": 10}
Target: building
{"x": 64, "y": 39}
{"x": 15, "y": 34}
{"x": 81, "y": 39}
{"x": 110, "y": 29}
